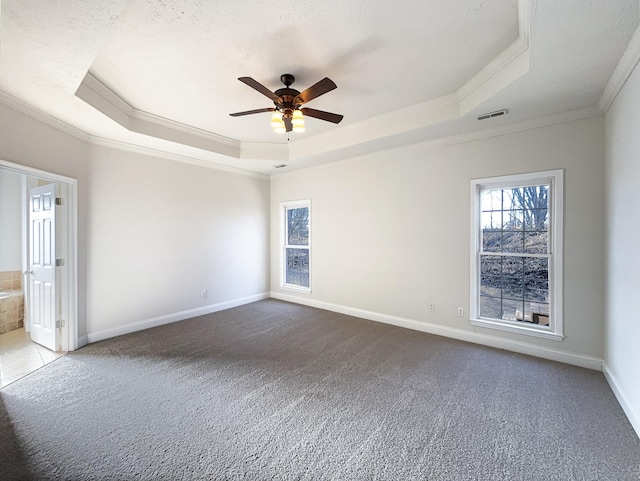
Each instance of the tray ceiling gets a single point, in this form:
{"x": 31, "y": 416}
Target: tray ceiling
{"x": 162, "y": 74}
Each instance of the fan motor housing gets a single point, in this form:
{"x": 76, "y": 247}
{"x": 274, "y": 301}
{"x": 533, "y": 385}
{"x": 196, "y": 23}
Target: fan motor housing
{"x": 287, "y": 94}
{"x": 288, "y": 97}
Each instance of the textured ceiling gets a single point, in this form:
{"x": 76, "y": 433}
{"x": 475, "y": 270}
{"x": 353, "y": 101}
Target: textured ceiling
{"x": 181, "y": 61}
{"x": 162, "y": 74}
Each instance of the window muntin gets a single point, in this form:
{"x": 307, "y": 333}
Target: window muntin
{"x": 515, "y": 282}
{"x": 296, "y": 245}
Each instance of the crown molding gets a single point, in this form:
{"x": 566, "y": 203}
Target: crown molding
{"x": 97, "y": 94}
{"x": 41, "y": 116}
{"x": 523, "y": 126}
{"x": 622, "y": 72}
{"x": 103, "y": 99}
{"x": 402, "y": 120}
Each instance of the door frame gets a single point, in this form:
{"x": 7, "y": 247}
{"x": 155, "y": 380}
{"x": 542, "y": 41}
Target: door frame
{"x": 67, "y": 234}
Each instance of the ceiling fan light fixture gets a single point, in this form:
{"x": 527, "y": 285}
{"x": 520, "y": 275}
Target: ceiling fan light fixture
{"x": 297, "y": 118}
{"x": 280, "y": 129}
{"x": 297, "y": 121}
{"x": 276, "y": 120}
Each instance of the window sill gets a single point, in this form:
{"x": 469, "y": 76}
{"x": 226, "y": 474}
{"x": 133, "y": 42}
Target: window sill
{"x": 303, "y": 290}
{"x": 504, "y": 326}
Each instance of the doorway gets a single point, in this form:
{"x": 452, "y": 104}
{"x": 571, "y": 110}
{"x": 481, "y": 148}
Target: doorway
{"x": 17, "y": 352}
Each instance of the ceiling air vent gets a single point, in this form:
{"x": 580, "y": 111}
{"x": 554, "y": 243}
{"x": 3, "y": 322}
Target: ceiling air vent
{"x": 491, "y": 115}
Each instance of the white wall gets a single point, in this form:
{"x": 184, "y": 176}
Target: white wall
{"x": 161, "y": 232}
{"x": 152, "y": 233}
{"x": 622, "y": 349}
{"x": 390, "y": 231}
{"x": 28, "y": 142}
{"x": 10, "y": 221}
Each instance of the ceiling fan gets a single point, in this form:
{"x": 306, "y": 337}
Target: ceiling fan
{"x": 288, "y": 111}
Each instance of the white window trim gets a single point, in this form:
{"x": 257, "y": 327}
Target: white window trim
{"x": 283, "y": 247}
{"x": 556, "y": 180}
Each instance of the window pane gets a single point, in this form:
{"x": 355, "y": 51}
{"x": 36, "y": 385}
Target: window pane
{"x": 521, "y": 213}
{"x": 490, "y": 307}
{"x": 512, "y": 310}
{"x": 513, "y": 219}
{"x": 511, "y": 198}
{"x": 513, "y": 266}
{"x": 491, "y": 241}
{"x": 513, "y": 242}
{"x": 491, "y": 200}
{"x": 536, "y": 267}
{"x": 297, "y": 268}
{"x": 298, "y": 226}
{"x": 492, "y": 220}
{"x": 537, "y": 291}
{"x": 536, "y": 242}
{"x": 538, "y": 312}
{"x": 491, "y": 286}
{"x": 536, "y": 219}
{"x": 490, "y": 265}
{"x": 512, "y": 288}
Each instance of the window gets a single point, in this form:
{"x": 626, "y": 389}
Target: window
{"x": 516, "y": 261}
{"x": 295, "y": 221}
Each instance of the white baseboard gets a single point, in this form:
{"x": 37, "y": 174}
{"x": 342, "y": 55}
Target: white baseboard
{"x": 634, "y": 418}
{"x": 82, "y": 341}
{"x": 462, "y": 335}
{"x": 169, "y": 318}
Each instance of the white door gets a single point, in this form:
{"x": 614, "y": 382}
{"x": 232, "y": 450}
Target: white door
{"x": 42, "y": 266}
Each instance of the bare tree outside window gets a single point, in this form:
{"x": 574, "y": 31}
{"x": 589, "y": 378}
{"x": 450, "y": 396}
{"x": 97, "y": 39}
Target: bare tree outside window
{"x": 514, "y": 269}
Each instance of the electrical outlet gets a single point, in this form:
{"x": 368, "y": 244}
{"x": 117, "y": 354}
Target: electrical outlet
{"x": 203, "y": 293}
{"x": 432, "y": 308}
{"x": 460, "y": 312}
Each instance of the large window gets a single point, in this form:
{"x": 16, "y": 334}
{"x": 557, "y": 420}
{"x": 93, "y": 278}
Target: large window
{"x": 295, "y": 221}
{"x": 516, "y": 282}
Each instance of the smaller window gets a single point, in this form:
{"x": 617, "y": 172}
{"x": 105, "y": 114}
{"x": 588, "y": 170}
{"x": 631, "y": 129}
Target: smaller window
{"x": 295, "y": 222}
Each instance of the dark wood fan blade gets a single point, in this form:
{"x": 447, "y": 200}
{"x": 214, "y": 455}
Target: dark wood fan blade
{"x": 322, "y": 115}
{"x": 249, "y": 112}
{"x": 260, "y": 88}
{"x": 287, "y": 123}
{"x": 325, "y": 85}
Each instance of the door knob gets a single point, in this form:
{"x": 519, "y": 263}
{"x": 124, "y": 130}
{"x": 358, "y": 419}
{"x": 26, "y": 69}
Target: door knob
{"x": 28, "y": 272}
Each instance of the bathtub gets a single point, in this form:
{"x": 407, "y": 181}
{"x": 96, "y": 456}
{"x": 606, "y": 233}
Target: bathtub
{"x": 11, "y": 310}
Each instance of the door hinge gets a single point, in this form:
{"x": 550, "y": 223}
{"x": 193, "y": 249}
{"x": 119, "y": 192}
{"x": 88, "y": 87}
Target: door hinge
{"x": 59, "y": 262}
{"x": 59, "y": 323}
{"x": 59, "y": 201}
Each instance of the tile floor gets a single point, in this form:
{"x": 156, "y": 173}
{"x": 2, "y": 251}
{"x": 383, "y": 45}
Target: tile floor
{"x": 19, "y": 356}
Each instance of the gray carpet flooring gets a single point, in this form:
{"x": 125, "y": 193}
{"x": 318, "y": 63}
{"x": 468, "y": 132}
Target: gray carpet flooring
{"x": 277, "y": 391}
